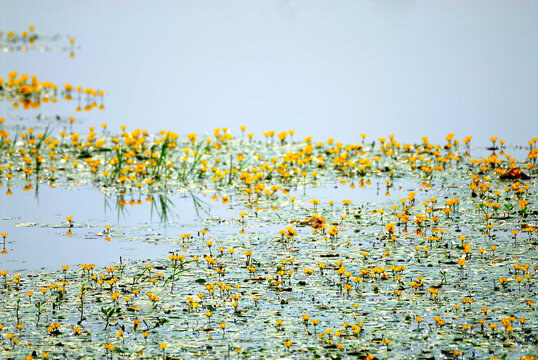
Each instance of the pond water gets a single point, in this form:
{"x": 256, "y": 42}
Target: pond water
{"x": 146, "y": 227}
{"x": 37, "y": 222}
{"x": 192, "y": 242}
{"x": 409, "y": 68}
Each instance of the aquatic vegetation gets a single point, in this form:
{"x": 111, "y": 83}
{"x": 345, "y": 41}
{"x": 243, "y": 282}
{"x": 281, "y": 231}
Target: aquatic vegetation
{"x": 137, "y": 160}
{"x": 444, "y": 270}
{"x": 30, "y": 93}
{"x": 441, "y": 263}
{"x": 30, "y": 40}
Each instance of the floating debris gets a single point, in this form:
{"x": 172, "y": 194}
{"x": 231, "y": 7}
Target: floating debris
{"x": 514, "y": 174}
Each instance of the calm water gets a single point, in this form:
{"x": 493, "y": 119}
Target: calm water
{"x": 325, "y": 68}
{"x": 142, "y": 228}
{"x": 37, "y": 227}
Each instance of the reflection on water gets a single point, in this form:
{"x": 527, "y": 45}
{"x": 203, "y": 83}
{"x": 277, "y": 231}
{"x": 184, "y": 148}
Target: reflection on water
{"x": 162, "y": 206}
{"x": 34, "y": 217}
{"x": 85, "y": 203}
{"x": 39, "y": 237}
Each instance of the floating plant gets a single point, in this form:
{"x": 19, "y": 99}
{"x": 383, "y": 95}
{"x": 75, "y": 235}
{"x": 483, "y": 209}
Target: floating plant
{"x": 30, "y": 40}
{"x": 372, "y": 250}
{"x": 442, "y": 267}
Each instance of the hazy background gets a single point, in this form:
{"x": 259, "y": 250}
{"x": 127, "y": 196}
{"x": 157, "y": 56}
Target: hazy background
{"x": 323, "y": 68}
